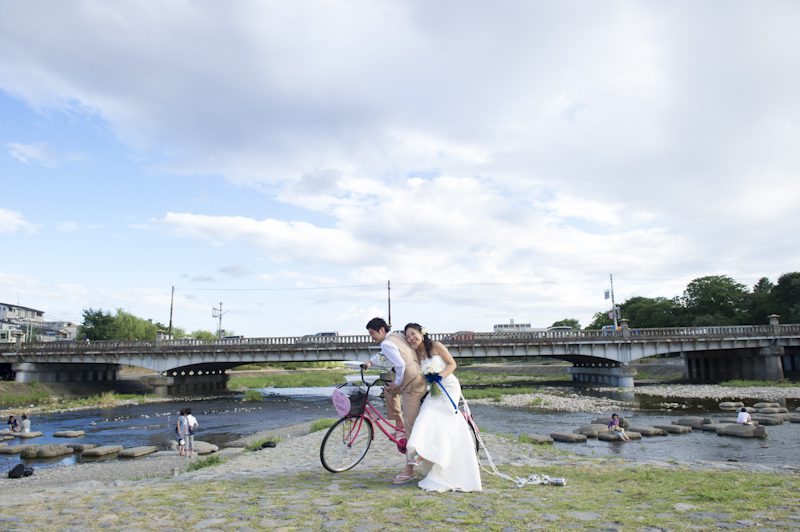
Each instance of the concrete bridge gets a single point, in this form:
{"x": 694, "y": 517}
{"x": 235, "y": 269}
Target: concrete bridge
{"x": 711, "y": 354}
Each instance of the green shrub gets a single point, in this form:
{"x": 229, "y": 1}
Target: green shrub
{"x": 208, "y": 461}
{"x": 322, "y": 424}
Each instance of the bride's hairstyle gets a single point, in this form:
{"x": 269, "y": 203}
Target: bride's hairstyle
{"x": 426, "y": 340}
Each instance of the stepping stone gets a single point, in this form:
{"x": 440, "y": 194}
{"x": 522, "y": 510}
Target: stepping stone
{"x": 201, "y": 447}
{"x": 26, "y": 435}
{"x": 692, "y": 421}
{"x": 591, "y": 430}
{"x": 792, "y": 418}
{"x": 80, "y": 447}
{"x": 45, "y": 451}
{"x": 538, "y": 439}
{"x": 731, "y": 421}
{"x": 135, "y": 452}
{"x": 770, "y": 410}
{"x": 731, "y": 405}
{"x": 768, "y": 420}
{"x": 713, "y": 427}
{"x": 766, "y": 405}
{"x": 568, "y": 437}
{"x": 103, "y": 450}
{"x": 675, "y": 429}
{"x": 13, "y": 449}
{"x": 743, "y": 431}
{"x": 648, "y": 431}
{"x": 3, "y": 445}
{"x": 612, "y": 436}
{"x": 6, "y": 438}
{"x": 69, "y": 433}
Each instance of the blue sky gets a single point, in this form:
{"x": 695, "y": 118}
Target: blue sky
{"x": 492, "y": 162}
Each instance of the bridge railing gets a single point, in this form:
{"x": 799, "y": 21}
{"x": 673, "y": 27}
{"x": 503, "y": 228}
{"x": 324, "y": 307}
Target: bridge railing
{"x": 311, "y": 342}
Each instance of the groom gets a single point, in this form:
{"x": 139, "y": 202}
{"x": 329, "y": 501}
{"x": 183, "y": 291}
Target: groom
{"x": 404, "y": 395}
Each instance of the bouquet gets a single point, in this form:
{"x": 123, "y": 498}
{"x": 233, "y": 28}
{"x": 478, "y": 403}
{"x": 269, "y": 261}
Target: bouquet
{"x": 431, "y": 367}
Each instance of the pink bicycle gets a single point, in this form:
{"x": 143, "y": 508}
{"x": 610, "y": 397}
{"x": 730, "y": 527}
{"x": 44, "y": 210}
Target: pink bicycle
{"x": 347, "y": 441}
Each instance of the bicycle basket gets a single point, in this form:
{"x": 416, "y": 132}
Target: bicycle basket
{"x": 358, "y": 402}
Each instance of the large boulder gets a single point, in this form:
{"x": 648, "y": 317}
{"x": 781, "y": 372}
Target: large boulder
{"x": 14, "y": 449}
{"x": 80, "y": 447}
{"x": 713, "y": 427}
{"x": 692, "y": 421}
{"x": 538, "y": 439}
{"x": 135, "y": 452}
{"x": 792, "y": 418}
{"x": 591, "y": 430}
{"x": 732, "y": 421}
{"x": 675, "y": 429}
{"x": 766, "y": 405}
{"x": 26, "y": 435}
{"x": 69, "y": 433}
{"x": 743, "y": 431}
{"x": 770, "y": 410}
{"x": 45, "y": 451}
{"x": 647, "y": 431}
{"x": 731, "y": 405}
{"x": 200, "y": 447}
{"x": 568, "y": 437}
{"x": 615, "y": 436}
{"x": 767, "y": 420}
{"x": 103, "y": 450}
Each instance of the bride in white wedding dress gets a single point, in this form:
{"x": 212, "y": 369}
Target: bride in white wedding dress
{"x": 441, "y": 440}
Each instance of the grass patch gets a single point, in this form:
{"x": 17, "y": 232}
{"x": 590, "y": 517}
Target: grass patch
{"x": 208, "y": 461}
{"x": 31, "y": 395}
{"x": 472, "y": 378}
{"x": 322, "y": 424}
{"x": 252, "y": 395}
{"x": 495, "y": 393}
{"x": 760, "y": 384}
{"x": 299, "y": 379}
{"x": 256, "y": 445}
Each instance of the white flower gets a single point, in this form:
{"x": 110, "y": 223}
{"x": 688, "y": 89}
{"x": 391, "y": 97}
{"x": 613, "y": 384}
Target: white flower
{"x": 432, "y": 365}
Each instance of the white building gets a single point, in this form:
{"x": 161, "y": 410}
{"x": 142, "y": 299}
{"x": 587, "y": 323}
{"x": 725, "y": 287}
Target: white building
{"x": 512, "y": 327}
{"x": 16, "y": 319}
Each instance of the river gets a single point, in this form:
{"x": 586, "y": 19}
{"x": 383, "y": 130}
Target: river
{"x": 226, "y": 419}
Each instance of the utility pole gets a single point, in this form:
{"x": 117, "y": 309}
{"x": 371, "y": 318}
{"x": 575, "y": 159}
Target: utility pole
{"x": 216, "y": 312}
{"x": 613, "y": 302}
{"x": 389, "y": 297}
{"x": 171, "y": 302}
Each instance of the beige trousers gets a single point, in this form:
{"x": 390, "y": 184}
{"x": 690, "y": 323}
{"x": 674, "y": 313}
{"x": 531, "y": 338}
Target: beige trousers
{"x": 404, "y": 404}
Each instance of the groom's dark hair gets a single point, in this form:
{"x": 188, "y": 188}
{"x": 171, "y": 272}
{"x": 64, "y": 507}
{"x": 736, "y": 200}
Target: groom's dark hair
{"x": 376, "y": 323}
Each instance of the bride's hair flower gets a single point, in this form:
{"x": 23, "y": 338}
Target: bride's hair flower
{"x": 423, "y": 331}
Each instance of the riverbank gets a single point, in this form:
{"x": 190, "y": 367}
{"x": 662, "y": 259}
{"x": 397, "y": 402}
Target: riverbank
{"x": 286, "y": 488}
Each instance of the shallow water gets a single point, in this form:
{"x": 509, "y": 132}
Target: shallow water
{"x": 224, "y": 420}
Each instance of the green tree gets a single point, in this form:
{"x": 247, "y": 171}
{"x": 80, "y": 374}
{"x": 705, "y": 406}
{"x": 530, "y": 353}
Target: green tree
{"x": 203, "y": 335}
{"x": 97, "y": 325}
{"x": 717, "y": 298}
{"x": 130, "y": 327}
{"x": 599, "y": 320}
{"x": 786, "y": 297}
{"x": 760, "y": 302}
{"x": 569, "y": 322}
{"x": 652, "y": 312}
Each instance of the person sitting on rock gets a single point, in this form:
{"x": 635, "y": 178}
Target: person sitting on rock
{"x": 25, "y": 426}
{"x": 743, "y": 418}
{"x": 13, "y": 424}
{"x": 615, "y": 426}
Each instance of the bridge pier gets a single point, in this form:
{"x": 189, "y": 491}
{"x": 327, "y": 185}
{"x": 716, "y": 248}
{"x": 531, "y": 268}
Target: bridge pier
{"x": 761, "y": 363}
{"x": 615, "y": 376}
{"x": 64, "y": 373}
{"x": 183, "y": 383}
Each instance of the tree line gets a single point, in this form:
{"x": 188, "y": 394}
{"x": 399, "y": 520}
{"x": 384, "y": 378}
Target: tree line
{"x": 713, "y": 300}
{"x": 100, "y": 325}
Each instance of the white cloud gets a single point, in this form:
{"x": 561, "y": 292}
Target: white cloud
{"x": 12, "y": 221}
{"x": 41, "y": 153}
{"x": 443, "y": 145}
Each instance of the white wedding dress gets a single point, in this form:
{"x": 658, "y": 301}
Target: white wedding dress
{"x": 444, "y": 440}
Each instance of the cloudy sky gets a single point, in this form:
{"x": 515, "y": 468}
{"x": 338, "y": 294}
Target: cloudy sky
{"x": 492, "y": 160}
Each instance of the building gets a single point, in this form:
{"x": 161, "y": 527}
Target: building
{"x": 512, "y": 327}
{"x": 30, "y": 323}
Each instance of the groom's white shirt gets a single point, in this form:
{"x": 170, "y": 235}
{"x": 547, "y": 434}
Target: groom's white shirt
{"x": 392, "y": 354}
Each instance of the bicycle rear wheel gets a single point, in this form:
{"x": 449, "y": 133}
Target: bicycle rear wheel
{"x": 346, "y": 443}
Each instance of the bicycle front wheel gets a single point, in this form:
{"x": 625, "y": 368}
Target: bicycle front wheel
{"x": 346, "y": 443}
